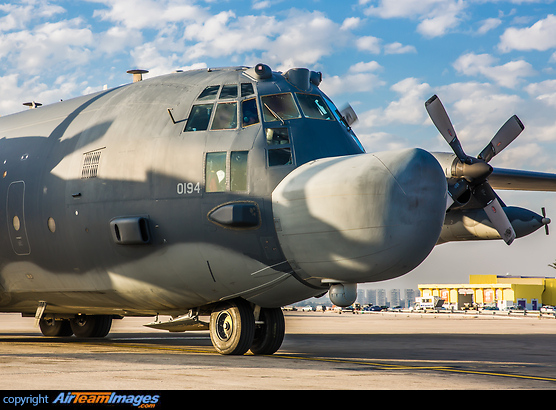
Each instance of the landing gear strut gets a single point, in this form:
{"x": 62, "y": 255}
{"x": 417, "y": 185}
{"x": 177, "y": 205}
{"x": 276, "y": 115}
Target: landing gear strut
{"x": 233, "y": 329}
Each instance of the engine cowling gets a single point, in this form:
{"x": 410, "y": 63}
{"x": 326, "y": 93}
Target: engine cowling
{"x": 360, "y": 218}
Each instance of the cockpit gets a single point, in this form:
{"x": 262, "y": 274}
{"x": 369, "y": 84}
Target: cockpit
{"x": 295, "y": 123}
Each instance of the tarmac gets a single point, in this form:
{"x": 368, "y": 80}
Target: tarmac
{"x": 321, "y": 351}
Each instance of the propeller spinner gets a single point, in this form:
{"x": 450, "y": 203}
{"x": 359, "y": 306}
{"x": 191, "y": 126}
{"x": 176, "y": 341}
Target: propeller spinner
{"x": 474, "y": 172}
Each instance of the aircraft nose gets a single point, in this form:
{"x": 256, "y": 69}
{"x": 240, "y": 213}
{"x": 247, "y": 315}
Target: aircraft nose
{"x": 361, "y": 218}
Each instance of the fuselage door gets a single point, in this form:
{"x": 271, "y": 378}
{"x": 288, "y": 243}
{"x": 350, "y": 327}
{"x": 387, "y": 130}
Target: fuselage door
{"x": 16, "y": 218}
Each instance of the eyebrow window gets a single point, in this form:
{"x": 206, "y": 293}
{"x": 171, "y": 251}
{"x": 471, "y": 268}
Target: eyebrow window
{"x": 225, "y": 116}
{"x": 209, "y": 93}
{"x": 279, "y": 107}
{"x": 199, "y": 117}
{"x": 247, "y": 89}
{"x": 313, "y": 106}
{"x": 250, "y": 113}
{"x": 228, "y": 91}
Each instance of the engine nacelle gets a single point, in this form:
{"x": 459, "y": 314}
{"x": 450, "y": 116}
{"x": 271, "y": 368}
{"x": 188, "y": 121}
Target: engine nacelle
{"x": 474, "y": 224}
{"x": 360, "y": 218}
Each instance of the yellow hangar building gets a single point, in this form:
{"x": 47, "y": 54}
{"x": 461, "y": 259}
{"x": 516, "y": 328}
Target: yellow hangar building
{"x": 491, "y": 290}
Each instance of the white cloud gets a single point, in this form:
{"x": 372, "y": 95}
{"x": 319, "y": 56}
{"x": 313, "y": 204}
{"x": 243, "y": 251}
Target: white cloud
{"x": 369, "y": 43}
{"x": 540, "y": 36}
{"x": 140, "y": 14}
{"x": 351, "y": 23}
{"x": 359, "y": 78}
{"x": 362, "y": 67}
{"x": 507, "y": 75}
{"x": 49, "y": 44}
{"x": 398, "y": 48}
{"x": 488, "y": 24}
{"x": 408, "y": 109}
{"x": 259, "y": 5}
{"x": 436, "y": 17}
{"x": 543, "y": 91}
{"x": 18, "y": 16}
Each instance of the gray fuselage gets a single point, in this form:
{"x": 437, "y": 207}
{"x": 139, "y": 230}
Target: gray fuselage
{"x": 157, "y": 197}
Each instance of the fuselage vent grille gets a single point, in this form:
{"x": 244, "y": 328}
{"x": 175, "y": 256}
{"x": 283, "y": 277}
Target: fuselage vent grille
{"x": 91, "y": 161}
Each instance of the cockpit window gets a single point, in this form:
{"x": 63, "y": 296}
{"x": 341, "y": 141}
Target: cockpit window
{"x": 209, "y": 93}
{"x": 247, "y": 89}
{"x": 250, "y": 114}
{"x": 313, "y": 106}
{"x": 279, "y": 107}
{"x": 225, "y": 116}
{"x": 199, "y": 117}
{"x": 228, "y": 91}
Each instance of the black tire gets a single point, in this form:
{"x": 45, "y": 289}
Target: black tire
{"x": 232, "y": 327}
{"x": 58, "y": 328}
{"x": 270, "y": 335}
{"x": 91, "y": 326}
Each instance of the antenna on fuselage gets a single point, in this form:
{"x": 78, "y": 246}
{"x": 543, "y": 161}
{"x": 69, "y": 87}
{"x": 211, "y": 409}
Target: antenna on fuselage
{"x": 137, "y": 74}
{"x": 32, "y": 104}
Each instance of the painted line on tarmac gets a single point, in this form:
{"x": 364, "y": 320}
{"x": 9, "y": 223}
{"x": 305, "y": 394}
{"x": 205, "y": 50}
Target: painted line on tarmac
{"x": 386, "y": 366}
{"x": 378, "y": 366}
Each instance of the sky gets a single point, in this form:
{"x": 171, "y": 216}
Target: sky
{"x": 486, "y": 59}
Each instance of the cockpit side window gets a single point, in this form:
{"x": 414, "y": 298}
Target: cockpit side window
{"x": 279, "y": 107}
{"x": 199, "y": 117}
{"x": 279, "y": 150}
{"x": 225, "y": 116}
{"x": 209, "y": 93}
{"x": 250, "y": 113}
{"x": 313, "y": 106}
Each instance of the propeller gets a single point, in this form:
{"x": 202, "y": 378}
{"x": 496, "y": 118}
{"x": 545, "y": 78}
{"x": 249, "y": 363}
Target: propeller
{"x": 545, "y": 220}
{"x": 474, "y": 172}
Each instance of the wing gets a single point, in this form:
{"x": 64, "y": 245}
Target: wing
{"x": 517, "y": 180}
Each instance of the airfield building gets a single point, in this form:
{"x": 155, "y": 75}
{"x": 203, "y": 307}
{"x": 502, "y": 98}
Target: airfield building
{"x": 491, "y": 290}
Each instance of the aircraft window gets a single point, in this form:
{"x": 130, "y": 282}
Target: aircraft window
{"x": 250, "y": 114}
{"x": 238, "y": 171}
{"x": 215, "y": 172}
{"x": 342, "y": 120}
{"x": 277, "y": 136}
{"x": 313, "y": 106}
{"x": 247, "y": 89}
{"x": 199, "y": 117}
{"x": 209, "y": 93}
{"x": 279, "y": 107}
{"x": 225, "y": 117}
{"x": 228, "y": 91}
{"x": 280, "y": 156}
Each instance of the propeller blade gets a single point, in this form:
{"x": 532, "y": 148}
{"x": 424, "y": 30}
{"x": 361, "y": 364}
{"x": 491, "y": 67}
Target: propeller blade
{"x": 440, "y": 118}
{"x": 500, "y": 220}
{"x": 505, "y": 135}
{"x": 491, "y": 205}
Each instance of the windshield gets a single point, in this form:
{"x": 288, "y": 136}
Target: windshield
{"x": 313, "y": 106}
{"x": 279, "y": 107}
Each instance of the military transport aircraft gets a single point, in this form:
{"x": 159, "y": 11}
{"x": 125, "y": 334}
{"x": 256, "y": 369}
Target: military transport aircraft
{"x": 228, "y": 193}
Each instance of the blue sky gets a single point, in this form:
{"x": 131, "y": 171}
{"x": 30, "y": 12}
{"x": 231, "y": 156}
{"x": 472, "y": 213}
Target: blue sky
{"x": 486, "y": 59}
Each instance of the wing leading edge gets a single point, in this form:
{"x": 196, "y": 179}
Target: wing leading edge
{"x": 517, "y": 180}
